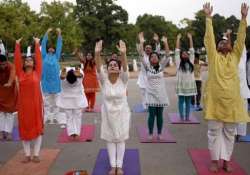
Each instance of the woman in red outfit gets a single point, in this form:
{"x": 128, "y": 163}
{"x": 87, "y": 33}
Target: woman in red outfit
{"x": 30, "y": 103}
{"x": 90, "y": 82}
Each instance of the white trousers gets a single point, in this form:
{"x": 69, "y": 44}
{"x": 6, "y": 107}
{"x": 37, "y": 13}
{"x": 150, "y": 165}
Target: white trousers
{"x": 221, "y": 139}
{"x": 242, "y": 127}
{"x": 6, "y": 122}
{"x": 74, "y": 121}
{"x": 50, "y": 108}
{"x": 37, "y": 146}
{"x": 143, "y": 97}
{"x": 116, "y": 153}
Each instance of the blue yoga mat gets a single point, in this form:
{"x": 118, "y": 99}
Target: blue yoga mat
{"x": 139, "y": 108}
{"x": 131, "y": 163}
{"x": 244, "y": 138}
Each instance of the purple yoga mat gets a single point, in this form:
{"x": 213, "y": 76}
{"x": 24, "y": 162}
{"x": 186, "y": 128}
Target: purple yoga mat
{"x": 143, "y": 136}
{"x": 131, "y": 163}
{"x": 175, "y": 119}
{"x": 139, "y": 109}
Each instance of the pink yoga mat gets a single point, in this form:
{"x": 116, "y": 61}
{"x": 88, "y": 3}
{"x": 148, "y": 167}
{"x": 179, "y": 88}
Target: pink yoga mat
{"x": 201, "y": 160}
{"x": 175, "y": 119}
{"x": 143, "y": 136}
{"x": 87, "y": 134}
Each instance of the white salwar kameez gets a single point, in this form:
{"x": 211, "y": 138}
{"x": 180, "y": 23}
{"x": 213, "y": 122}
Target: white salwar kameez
{"x": 115, "y": 115}
{"x": 244, "y": 90}
{"x": 6, "y": 122}
{"x": 142, "y": 80}
{"x": 221, "y": 139}
{"x": 72, "y": 100}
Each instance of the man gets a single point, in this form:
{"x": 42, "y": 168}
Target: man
{"x": 222, "y": 100}
{"x": 8, "y": 98}
{"x": 51, "y": 84}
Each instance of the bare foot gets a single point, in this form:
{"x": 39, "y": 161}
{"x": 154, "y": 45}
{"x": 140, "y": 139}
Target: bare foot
{"x": 27, "y": 159}
{"x": 214, "y": 167}
{"x": 36, "y": 159}
{"x": 120, "y": 171}
{"x": 1, "y": 136}
{"x": 112, "y": 171}
{"x": 8, "y": 136}
{"x": 150, "y": 137}
{"x": 227, "y": 167}
{"x": 159, "y": 137}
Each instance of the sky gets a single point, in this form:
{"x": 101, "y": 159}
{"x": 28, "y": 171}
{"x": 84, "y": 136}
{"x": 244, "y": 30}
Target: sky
{"x": 172, "y": 10}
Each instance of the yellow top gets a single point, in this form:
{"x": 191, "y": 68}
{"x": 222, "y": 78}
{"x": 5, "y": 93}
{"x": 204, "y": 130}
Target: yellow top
{"x": 222, "y": 99}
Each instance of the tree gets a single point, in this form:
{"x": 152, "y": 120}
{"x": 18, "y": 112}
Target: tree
{"x": 150, "y": 24}
{"x": 62, "y": 15}
{"x": 100, "y": 19}
{"x": 17, "y": 20}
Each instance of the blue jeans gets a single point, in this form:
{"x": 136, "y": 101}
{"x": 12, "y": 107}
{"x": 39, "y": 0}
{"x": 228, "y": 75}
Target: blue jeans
{"x": 184, "y": 103}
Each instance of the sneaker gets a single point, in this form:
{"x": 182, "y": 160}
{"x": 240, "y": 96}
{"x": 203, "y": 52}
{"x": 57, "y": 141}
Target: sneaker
{"x": 55, "y": 121}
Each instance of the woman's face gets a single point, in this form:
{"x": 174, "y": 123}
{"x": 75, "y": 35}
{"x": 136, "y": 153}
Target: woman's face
{"x": 113, "y": 67}
{"x": 29, "y": 62}
{"x": 89, "y": 56}
{"x": 154, "y": 59}
{"x": 184, "y": 55}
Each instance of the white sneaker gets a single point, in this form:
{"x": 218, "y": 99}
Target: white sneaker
{"x": 62, "y": 126}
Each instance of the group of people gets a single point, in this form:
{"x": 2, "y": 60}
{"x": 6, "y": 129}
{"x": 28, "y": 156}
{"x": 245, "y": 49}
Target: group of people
{"x": 38, "y": 90}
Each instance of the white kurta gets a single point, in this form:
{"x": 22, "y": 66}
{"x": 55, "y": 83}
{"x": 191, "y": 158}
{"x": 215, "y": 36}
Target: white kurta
{"x": 72, "y": 96}
{"x": 115, "y": 111}
{"x": 244, "y": 90}
{"x": 142, "y": 77}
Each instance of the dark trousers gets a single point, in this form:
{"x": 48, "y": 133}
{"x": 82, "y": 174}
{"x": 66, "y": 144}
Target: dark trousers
{"x": 197, "y": 98}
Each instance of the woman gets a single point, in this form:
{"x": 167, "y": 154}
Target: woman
{"x": 156, "y": 96}
{"x": 90, "y": 82}
{"x": 115, "y": 111}
{"x": 72, "y": 99}
{"x": 224, "y": 106}
{"x": 185, "y": 87}
{"x": 30, "y": 103}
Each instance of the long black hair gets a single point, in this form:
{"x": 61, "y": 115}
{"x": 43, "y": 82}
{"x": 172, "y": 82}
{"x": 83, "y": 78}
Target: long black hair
{"x": 71, "y": 77}
{"x": 183, "y": 63}
{"x": 91, "y": 62}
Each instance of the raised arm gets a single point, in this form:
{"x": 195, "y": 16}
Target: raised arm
{"x": 98, "y": 59}
{"x": 80, "y": 56}
{"x": 165, "y": 59}
{"x": 157, "y": 43}
{"x": 38, "y": 57}
{"x": 122, "y": 48}
{"x": 241, "y": 36}
{"x": 18, "y": 58}
{"x": 141, "y": 43}
{"x": 191, "y": 47}
{"x": 12, "y": 76}
{"x": 177, "y": 50}
{"x": 59, "y": 43}
{"x": 44, "y": 43}
{"x": 209, "y": 39}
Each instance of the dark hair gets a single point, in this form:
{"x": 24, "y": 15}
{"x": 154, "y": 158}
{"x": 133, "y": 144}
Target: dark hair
{"x": 34, "y": 62}
{"x": 3, "y": 58}
{"x": 71, "y": 77}
{"x": 116, "y": 60}
{"x": 91, "y": 62}
{"x": 196, "y": 55}
{"x": 184, "y": 62}
{"x": 156, "y": 67}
